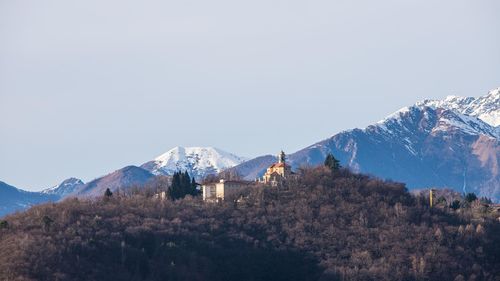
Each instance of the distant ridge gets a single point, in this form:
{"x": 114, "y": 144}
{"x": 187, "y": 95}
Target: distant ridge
{"x": 118, "y": 180}
{"x": 13, "y": 199}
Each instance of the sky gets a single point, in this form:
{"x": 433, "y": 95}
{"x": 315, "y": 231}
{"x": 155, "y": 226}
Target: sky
{"x": 88, "y": 87}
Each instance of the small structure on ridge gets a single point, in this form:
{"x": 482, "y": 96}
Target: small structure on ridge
{"x": 278, "y": 172}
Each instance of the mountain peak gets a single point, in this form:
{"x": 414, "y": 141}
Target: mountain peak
{"x": 433, "y": 143}
{"x": 65, "y": 187}
{"x": 118, "y": 180}
{"x": 198, "y": 161}
{"x": 486, "y": 108}
{"x": 494, "y": 94}
{"x": 431, "y": 119}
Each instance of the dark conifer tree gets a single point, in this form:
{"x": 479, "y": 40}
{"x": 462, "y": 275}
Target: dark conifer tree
{"x": 174, "y": 191}
{"x": 194, "y": 191}
{"x": 182, "y": 185}
{"x": 332, "y": 163}
{"x": 108, "y": 193}
{"x": 470, "y": 197}
{"x": 455, "y": 205}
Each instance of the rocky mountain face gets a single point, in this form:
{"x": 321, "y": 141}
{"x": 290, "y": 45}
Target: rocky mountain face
{"x": 198, "y": 161}
{"x": 119, "y": 180}
{"x": 430, "y": 144}
{"x": 65, "y": 188}
{"x": 485, "y": 108}
{"x": 13, "y": 199}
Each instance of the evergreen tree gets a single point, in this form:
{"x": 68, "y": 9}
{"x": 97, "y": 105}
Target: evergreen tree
{"x": 455, "y": 205}
{"x": 4, "y": 224}
{"x": 47, "y": 222}
{"x": 174, "y": 190}
{"x": 108, "y": 193}
{"x": 186, "y": 183}
{"x": 194, "y": 191}
{"x": 332, "y": 163}
{"x": 182, "y": 185}
{"x": 470, "y": 197}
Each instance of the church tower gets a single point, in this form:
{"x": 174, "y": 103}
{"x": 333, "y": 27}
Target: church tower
{"x": 281, "y": 157}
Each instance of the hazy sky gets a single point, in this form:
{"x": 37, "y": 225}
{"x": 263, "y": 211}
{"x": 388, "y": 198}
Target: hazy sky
{"x": 87, "y": 87}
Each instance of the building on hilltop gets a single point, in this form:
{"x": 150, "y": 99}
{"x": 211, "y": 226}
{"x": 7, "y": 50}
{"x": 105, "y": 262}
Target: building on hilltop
{"x": 275, "y": 175}
{"x": 217, "y": 191}
{"x": 278, "y": 172}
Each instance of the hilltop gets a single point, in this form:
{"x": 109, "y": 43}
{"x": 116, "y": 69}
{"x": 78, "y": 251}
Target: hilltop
{"x": 323, "y": 225}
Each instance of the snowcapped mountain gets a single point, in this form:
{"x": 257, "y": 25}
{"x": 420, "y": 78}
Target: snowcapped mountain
{"x": 423, "y": 147}
{"x": 198, "y": 161}
{"x": 447, "y": 120}
{"x": 485, "y": 108}
{"x": 64, "y": 188}
{"x": 446, "y": 144}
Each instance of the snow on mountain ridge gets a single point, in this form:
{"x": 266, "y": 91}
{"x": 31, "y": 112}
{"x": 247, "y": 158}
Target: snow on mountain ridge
{"x": 486, "y": 108}
{"x": 198, "y": 161}
{"x": 474, "y": 116}
{"x": 465, "y": 123}
{"x": 447, "y": 120}
{"x": 64, "y": 188}
{"x": 441, "y": 144}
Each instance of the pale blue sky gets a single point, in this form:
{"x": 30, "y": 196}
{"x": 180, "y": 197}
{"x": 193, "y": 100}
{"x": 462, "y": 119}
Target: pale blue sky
{"x": 87, "y": 87}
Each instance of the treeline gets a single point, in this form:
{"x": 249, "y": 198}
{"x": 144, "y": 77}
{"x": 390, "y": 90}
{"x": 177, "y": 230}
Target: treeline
{"x": 326, "y": 224}
{"x": 174, "y": 187}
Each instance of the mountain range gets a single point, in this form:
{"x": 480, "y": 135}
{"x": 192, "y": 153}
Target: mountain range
{"x": 451, "y": 143}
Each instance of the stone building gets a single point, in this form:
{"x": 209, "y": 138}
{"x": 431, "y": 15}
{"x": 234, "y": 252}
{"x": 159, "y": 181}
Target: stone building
{"x": 214, "y": 192}
{"x": 278, "y": 172}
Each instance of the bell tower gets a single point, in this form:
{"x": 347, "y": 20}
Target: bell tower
{"x": 281, "y": 157}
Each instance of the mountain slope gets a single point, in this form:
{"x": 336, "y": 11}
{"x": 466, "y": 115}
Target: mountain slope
{"x": 66, "y": 187}
{"x": 13, "y": 199}
{"x": 118, "y": 180}
{"x": 421, "y": 147}
{"x": 253, "y": 169}
{"x": 425, "y": 145}
{"x": 198, "y": 161}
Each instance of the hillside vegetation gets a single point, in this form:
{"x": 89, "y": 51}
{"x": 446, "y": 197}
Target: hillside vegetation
{"x": 325, "y": 225}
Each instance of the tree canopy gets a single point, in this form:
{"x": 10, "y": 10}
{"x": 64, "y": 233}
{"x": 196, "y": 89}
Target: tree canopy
{"x": 323, "y": 226}
{"x": 182, "y": 185}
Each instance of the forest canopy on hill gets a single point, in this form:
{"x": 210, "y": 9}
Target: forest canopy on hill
{"x": 326, "y": 224}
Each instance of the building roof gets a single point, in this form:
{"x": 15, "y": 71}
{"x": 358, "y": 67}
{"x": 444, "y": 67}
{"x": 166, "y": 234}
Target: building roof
{"x": 278, "y": 165}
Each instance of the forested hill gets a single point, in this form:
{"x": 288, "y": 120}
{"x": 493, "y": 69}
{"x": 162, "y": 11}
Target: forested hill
{"x": 323, "y": 226}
